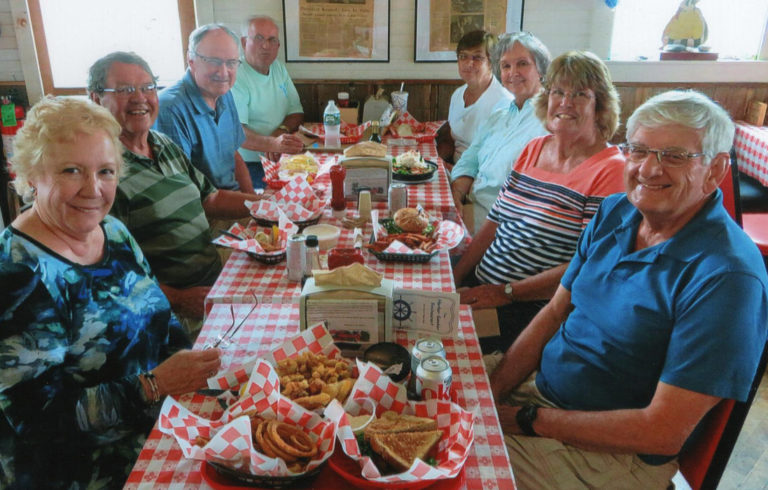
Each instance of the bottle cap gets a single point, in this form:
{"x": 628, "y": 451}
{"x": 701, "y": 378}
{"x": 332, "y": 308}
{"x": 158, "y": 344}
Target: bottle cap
{"x": 312, "y": 241}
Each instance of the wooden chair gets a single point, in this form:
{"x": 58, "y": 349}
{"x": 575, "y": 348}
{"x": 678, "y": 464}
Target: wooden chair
{"x": 704, "y": 458}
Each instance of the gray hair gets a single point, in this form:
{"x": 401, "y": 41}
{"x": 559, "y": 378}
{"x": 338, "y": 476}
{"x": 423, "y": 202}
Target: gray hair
{"x": 97, "y": 73}
{"x": 691, "y": 109}
{"x": 533, "y": 44}
{"x": 196, "y": 37}
{"x": 247, "y": 23}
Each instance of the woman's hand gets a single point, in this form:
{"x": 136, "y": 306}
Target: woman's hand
{"x": 186, "y": 371}
{"x": 484, "y": 296}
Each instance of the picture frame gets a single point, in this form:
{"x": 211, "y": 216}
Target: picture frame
{"x": 360, "y": 30}
{"x": 437, "y": 33}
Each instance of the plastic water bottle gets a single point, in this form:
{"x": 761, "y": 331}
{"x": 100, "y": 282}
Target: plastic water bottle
{"x": 332, "y": 125}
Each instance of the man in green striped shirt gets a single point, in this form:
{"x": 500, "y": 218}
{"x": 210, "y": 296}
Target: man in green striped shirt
{"x": 164, "y": 201}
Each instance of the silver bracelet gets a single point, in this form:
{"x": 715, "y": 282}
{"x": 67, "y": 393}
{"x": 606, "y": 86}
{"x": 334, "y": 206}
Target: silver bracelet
{"x": 149, "y": 376}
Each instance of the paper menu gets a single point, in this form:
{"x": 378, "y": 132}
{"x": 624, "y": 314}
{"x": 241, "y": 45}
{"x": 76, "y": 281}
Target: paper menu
{"x": 428, "y": 311}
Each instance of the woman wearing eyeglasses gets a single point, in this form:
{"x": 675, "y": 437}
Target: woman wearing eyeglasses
{"x": 88, "y": 342}
{"x": 472, "y": 102}
{"x": 518, "y": 256}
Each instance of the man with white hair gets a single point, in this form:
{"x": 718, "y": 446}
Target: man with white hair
{"x": 266, "y": 99}
{"x": 199, "y": 114}
{"x": 660, "y": 315}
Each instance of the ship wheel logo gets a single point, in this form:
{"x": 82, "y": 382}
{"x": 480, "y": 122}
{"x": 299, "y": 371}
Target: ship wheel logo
{"x": 401, "y": 310}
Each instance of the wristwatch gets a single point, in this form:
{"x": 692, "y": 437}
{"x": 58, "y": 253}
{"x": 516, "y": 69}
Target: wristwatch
{"x": 508, "y": 290}
{"x": 525, "y": 417}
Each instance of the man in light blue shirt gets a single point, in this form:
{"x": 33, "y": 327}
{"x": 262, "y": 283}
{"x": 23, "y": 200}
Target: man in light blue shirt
{"x": 519, "y": 60}
{"x": 266, "y": 99}
{"x": 199, "y": 114}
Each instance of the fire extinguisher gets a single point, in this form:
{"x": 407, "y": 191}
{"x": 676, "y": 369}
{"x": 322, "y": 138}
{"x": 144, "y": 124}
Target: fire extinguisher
{"x": 11, "y": 119}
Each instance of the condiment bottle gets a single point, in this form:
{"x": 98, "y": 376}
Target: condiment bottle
{"x": 375, "y": 136}
{"x": 364, "y": 205}
{"x": 312, "y": 260}
{"x": 338, "y": 203}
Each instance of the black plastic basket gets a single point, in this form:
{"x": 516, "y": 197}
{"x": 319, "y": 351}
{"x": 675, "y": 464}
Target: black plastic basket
{"x": 268, "y": 481}
{"x": 270, "y": 259}
{"x": 412, "y": 258}
{"x": 300, "y": 224}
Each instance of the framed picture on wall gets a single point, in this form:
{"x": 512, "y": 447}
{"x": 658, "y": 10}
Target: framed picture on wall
{"x": 441, "y": 23}
{"x": 336, "y": 30}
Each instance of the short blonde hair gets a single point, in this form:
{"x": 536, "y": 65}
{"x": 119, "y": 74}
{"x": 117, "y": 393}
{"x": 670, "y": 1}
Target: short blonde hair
{"x": 56, "y": 120}
{"x": 583, "y": 70}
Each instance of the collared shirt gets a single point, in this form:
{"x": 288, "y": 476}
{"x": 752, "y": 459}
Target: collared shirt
{"x": 208, "y": 137}
{"x": 494, "y": 150}
{"x": 263, "y": 101}
{"x": 160, "y": 201}
{"x": 464, "y": 121}
{"x": 690, "y": 312}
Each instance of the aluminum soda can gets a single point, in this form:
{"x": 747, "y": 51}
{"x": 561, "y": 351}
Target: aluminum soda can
{"x": 424, "y": 348}
{"x": 398, "y": 198}
{"x": 433, "y": 379}
{"x": 295, "y": 257}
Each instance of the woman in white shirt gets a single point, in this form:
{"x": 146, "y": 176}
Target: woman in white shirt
{"x": 472, "y": 102}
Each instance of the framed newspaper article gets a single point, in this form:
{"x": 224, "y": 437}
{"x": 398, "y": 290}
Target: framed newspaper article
{"x": 336, "y": 30}
{"x": 441, "y": 23}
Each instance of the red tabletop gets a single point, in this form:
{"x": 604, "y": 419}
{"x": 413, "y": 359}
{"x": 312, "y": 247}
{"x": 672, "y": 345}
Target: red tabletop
{"x": 161, "y": 463}
{"x": 751, "y": 143}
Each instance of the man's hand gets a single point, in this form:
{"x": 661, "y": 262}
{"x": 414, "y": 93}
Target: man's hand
{"x": 484, "y": 296}
{"x": 186, "y": 371}
{"x": 285, "y": 143}
{"x": 508, "y": 418}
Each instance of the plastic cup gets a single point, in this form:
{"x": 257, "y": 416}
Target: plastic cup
{"x": 361, "y": 412}
{"x": 400, "y": 101}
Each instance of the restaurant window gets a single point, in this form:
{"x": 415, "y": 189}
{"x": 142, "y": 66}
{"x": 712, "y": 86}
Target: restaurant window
{"x": 736, "y": 29}
{"x": 71, "y": 35}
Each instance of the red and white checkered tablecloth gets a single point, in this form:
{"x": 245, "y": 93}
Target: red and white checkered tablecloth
{"x": 751, "y": 144}
{"x": 242, "y": 276}
{"x": 161, "y": 464}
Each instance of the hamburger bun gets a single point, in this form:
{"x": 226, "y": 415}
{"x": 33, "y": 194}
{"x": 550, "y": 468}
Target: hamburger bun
{"x": 366, "y": 149}
{"x": 411, "y": 220}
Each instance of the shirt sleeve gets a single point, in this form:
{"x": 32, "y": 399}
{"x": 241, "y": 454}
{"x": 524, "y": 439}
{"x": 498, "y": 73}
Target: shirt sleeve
{"x": 294, "y": 102}
{"x": 242, "y": 98}
{"x": 469, "y": 163}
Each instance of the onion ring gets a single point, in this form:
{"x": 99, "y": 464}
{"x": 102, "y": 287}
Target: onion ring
{"x": 291, "y": 432}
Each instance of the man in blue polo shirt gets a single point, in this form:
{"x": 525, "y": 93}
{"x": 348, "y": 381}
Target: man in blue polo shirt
{"x": 660, "y": 315}
{"x": 198, "y": 112}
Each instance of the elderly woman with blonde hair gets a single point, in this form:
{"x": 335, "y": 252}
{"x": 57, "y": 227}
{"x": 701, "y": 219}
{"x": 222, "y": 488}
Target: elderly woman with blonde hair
{"x": 88, "y": 343}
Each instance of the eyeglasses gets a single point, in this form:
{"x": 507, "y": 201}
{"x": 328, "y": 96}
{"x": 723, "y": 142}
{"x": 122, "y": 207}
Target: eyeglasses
{"x": 578, "y": 96}
{"x": 670, "y": 157}
{"x": 259, "y": 39}
{"x": 128, "y": 90}
{"x": 217, "y": 62}
{"x": 477, "y": 58}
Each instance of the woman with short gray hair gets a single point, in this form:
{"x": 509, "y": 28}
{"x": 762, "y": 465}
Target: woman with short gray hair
{"x": 519, "y": 60}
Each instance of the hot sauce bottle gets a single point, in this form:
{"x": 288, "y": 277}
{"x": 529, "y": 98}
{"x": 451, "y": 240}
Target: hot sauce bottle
{"x": 338, "y": 203}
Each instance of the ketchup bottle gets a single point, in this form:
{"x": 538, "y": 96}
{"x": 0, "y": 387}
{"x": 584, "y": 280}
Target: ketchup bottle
{"x": 338, "y": 203}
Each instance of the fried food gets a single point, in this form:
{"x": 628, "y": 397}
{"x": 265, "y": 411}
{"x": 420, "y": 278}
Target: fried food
{"x": 270, "y": 242}
{"x": 298, "y": 164}
{"x": 313, "y": 380}
{"x": 283, "y": 440}
{"x": 412, "y": 240}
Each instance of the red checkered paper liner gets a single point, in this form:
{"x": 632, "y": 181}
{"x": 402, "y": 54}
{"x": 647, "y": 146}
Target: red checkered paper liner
{"x": 350, "y": 133}
{"x": 456, "y": 423}
{"x": 251, "y": 245}
{"x": 231, "y": 442}
{"x": 315, "y": 339}
{"x": 296, "y": 199}
{"x": 422, "y": 132}
{"x": 449, "y": 234}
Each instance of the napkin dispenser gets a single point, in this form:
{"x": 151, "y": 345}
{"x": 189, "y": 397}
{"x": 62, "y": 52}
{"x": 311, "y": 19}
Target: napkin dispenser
{"x": 369, "y": 173}
{"x": 357, "y": 316}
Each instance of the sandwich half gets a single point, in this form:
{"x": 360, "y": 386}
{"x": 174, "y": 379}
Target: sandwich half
{"x": 400, "y": 449}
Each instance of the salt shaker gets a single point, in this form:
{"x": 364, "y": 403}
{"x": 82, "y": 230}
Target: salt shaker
{"x": 312, "y": 257}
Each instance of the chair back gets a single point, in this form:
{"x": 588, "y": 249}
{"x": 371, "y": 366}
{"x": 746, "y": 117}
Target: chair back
{"x": 730, "y": 188}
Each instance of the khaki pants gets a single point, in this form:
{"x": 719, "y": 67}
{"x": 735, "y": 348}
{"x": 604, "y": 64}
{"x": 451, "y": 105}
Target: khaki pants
{"x": 543, "y": 463}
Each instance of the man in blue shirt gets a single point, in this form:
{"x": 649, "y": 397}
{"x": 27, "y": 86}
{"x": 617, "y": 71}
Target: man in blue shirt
{"x": 660, "y": 315}
{"x": 198, "y": 112}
